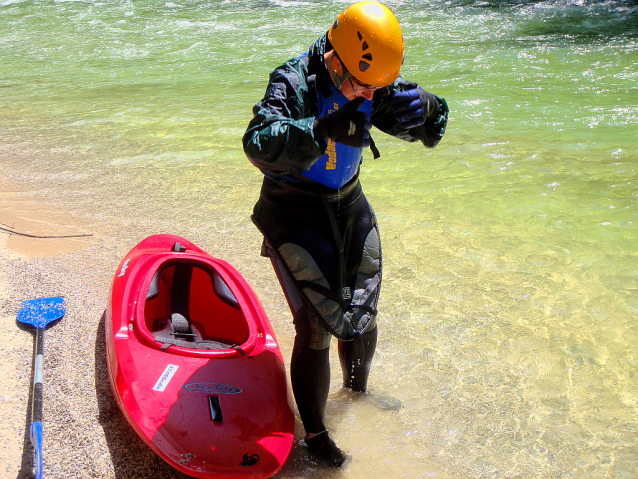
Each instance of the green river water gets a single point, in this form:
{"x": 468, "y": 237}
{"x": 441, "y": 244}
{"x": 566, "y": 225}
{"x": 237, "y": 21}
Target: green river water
{"x": 509, "y": 311}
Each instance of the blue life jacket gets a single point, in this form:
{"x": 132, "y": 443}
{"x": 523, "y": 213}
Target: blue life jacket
{"x": 340, "y": 162}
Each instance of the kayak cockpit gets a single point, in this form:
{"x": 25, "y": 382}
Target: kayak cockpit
{"x": 194, "y": 364}
{"x": 189, "y": 305}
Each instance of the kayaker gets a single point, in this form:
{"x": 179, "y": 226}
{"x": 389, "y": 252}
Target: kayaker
{"x": 307, "y": 137}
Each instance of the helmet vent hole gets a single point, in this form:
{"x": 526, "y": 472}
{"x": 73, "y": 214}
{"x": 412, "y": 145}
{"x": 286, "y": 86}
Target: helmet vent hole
{"x": 367, "y": 56}
{"x": 363, "y": 66}
{"x": 365, "y": 46}
{"x": 359, "y": 35}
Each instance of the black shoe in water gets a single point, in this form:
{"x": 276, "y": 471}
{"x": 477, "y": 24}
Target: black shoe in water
{"x": 325, "y": 448}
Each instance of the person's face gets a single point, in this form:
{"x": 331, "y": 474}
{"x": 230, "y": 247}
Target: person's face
{"x": 352, "y": 88}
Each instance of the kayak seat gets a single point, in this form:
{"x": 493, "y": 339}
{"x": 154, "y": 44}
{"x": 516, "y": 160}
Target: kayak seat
{"x": 178, "y": 331}
{"x": 182, "y": 328}
{"x": 191, "y": 305}
{"x": 175, "y": 327}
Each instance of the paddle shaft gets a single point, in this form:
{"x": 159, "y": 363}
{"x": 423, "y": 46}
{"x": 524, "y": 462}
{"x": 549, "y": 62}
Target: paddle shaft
{"x": 36, "y": 431}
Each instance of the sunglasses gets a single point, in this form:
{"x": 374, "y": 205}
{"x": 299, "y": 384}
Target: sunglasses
{"x": 360, "y": 86}
{"x": 356, "y": 84}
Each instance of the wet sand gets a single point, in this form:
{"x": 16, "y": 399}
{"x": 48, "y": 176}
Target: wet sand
{"x": 16, "y": 343}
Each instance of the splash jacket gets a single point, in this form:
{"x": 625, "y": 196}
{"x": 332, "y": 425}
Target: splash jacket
{"x": 312, "y": 212}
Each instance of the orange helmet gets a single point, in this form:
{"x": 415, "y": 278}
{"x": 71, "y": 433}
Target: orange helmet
{"x": 368, "y": 39}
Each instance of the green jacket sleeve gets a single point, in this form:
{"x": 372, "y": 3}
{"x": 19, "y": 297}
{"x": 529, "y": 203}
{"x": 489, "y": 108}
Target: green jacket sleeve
{"x": 279, "y": 139}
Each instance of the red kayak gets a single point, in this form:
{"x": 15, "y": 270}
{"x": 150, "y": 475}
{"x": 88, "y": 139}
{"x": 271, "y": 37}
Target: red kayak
{"x": 194, "y": 363}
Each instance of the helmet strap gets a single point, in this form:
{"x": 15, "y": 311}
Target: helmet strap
{"x": 336, "y": 78}
{"x": 340, "y": 80}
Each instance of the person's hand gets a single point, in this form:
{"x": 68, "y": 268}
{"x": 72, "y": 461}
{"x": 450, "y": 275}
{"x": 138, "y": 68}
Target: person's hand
{"x": 346, "y": 125}
{"x": 412, "y": 107}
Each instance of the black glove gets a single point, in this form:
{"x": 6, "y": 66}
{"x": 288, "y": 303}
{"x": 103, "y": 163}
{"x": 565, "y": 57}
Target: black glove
{"x": 346, "y": 125}
{"x": 412, "y": 107}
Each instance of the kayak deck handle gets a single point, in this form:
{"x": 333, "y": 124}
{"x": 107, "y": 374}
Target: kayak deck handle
{"x": 215, "y": 409}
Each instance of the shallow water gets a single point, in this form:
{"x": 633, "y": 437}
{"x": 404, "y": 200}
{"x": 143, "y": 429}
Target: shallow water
{"x": 508, "y": 315}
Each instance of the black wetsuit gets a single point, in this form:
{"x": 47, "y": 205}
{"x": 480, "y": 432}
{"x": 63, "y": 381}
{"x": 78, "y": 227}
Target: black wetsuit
{"x": 324, "y": 242}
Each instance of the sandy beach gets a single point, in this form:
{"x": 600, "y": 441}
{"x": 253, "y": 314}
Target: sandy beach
{"x": 81, "y": 421}
{"x": 85, "y": 435}
{"x": 17, "y": 343}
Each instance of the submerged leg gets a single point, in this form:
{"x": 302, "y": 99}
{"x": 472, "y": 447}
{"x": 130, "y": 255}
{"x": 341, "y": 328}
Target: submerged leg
{"x": 310, "y": 376}
{"x": 310, "y": 373}
{"x": 356, "y": 359}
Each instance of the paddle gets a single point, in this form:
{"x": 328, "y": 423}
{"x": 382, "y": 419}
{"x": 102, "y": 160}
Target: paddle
{"x": 39, "y": 313}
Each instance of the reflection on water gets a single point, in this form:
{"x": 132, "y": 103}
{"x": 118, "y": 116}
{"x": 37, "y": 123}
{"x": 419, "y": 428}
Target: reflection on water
{"x": 508, "y": 314}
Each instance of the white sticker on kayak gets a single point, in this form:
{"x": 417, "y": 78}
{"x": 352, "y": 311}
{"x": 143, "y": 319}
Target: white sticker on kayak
{"x": 165, "y": 378}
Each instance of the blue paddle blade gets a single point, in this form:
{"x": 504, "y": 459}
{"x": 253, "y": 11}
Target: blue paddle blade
{"x": 40, "y": 312}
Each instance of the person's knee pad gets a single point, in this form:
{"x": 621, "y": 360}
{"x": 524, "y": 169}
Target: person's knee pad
{"x": 303, "y": 281}
{"x": 303, "y": 268}
{"x": 293, "y": 296}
